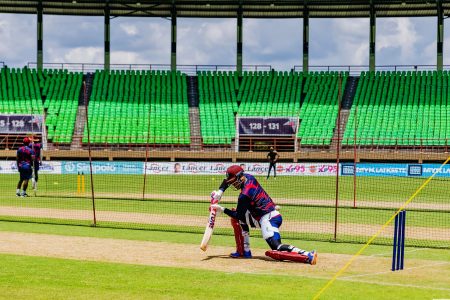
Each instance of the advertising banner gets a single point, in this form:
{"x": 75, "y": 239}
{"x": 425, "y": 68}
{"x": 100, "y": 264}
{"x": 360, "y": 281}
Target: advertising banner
{"x": 430, "y": 169}
{"x": 102, "y": 167}
{"x": 373, "y": 169}
{"x": 398, "y": 170}
{"x": 47, "y": 167}
{"x": 219, "y": 168}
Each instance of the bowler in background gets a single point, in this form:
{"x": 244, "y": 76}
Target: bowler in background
{"x": 272, "y": 156}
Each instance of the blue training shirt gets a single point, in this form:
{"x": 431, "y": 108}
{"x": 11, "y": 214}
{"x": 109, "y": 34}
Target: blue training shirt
{"x": 37, "y": 147}
{"x": 25, "y": 157}
{"x": 252, "y": 198}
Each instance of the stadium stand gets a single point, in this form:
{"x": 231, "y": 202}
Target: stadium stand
{"x": 269, "y": 93}
{"x": 407, "y": 108}
{"x": 136, "y": 107}
{"x": 390, "y": 108}
{"x": 27, "y": 91}
{"x": 61, "y": 90}
{"x": 19, "y": 92}
{"x": 320, "y": 108}
{"x": 217, "y": 106}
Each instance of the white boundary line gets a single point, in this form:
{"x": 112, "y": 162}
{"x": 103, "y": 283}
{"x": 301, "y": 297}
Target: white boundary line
{"x": 397, "y": 284}
{"x": 405, "y": 270}
{"x": 390, "y": 253}
{"x": 348, "y": 279}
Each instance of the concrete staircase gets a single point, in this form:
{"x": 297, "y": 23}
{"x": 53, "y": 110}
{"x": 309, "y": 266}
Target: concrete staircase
{"x": 349, "y": 92}
{"x": 339, "y": 134}
{"x": 346, "y": 104}
{"x": 83, "y": 101}
{"x": 194, "y": 116}
{"x": 196, "y": 135}
{"x": 77, "y": 138}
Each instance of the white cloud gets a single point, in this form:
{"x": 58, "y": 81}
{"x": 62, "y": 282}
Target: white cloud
{"x": 205, "y": 42}
{"x": 17, "y": 39}
{"x": 406, "y": 41}
{"x": 399, "y": 33}
{"x": 83, "y": 55}
{"x": 339, "y": 42}
{"x": 71, "y": 39}
{"x": 275, "y": 42}
{"x": 447, "y": 42}
{"x": 140, "y": 41}
{"x": 125, "y": 57}
{"x": 129, "y": 29}
{"x": 430, "y": 53}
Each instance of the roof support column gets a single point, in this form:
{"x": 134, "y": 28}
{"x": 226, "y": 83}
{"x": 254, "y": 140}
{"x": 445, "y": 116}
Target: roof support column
{"x": 305, "y": 39}
{"x": 373, "y": 28}
{"x": 173, "y": 32}
{"x": 440, "y": 35}
{"x": 107, "y": 54}
{"x": 239, "y": 41}
{"x": 40, "y": 36}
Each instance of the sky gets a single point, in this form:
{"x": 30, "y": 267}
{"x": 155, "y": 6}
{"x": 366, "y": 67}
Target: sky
{"x": 274, "y": 42}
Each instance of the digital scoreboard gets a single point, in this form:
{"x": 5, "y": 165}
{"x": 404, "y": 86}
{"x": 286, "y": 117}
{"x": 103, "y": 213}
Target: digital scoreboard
{"x": 267, "y": 126}
{"x": 17, "y": 124}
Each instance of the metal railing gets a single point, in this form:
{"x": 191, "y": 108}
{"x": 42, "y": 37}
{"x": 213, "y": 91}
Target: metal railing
{"x": 120, "y": 142}
{"x": 357, "y": 69}
{"x": 353, "y": 70}
{"x": 187, "y": 69}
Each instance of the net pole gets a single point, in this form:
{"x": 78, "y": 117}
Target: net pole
{"x": 90, "y": 155}
{"x": 354, "y": 157}
{"x": 236, "y": 141}
{"x": 146, "y": 155}
{"x": 337, "y": 157}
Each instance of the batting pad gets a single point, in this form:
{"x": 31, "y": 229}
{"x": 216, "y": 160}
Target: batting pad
{"x": 283, "y": 255}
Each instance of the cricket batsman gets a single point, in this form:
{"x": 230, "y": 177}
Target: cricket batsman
{"x": 255, "y": 207}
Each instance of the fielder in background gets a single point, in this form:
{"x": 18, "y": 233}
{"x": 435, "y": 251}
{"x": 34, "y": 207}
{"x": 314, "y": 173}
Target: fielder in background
{"x": 37, "y": 148}
{"x": 25, "y": 158}
{"x": 255, "y": 205}
{"x": 272, "y": 156}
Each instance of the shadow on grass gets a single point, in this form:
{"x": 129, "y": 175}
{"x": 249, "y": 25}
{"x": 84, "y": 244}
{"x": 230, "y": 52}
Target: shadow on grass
{"x": 262, "y": 258}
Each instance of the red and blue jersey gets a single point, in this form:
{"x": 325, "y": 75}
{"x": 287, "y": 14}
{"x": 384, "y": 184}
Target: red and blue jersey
{"x": 252, "y": 198}
{"x": 25, "y": 157}
{"x": 37, "y": 147}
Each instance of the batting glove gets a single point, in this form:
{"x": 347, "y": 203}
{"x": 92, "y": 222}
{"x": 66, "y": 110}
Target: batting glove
{"x": 216, "y": 196}
{"x": 217, "y": 207}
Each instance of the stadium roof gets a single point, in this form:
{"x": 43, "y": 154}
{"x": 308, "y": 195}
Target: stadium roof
{"x": 230, "y": 8}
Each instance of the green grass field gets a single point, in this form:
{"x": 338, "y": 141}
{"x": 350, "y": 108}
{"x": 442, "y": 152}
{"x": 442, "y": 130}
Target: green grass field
{"x": 392, "y": 189}
{"x": 47, "y": 277}
{"x": 186, "y": 198}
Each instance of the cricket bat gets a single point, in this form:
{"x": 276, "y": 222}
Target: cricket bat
{"x": 209, "y": 227}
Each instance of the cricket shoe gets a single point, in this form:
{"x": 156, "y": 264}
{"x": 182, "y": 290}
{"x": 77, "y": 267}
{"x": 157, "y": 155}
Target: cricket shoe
{"x": 312, "y": 257}
{"x": 18, "y": 194}
{"x": 24, "y": 195}
{"x": 247, "y": 254}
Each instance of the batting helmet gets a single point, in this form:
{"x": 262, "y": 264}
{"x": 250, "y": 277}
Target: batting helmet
{"x": 26, "y": 141}
{"x": 234, "y": 176}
